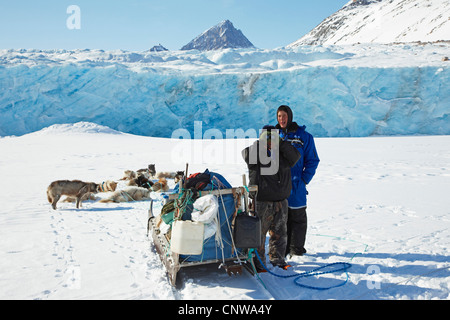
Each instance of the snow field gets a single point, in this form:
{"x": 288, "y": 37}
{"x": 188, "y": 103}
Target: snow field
{"x": 379, "y": 203}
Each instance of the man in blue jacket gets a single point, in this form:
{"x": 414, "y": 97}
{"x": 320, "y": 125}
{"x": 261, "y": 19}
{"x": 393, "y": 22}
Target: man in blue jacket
{"x": 302, "y": 173}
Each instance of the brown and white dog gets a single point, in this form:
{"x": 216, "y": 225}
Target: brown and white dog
{"x": 107, "y": 185}
{"x": 148, "y": 173}
{"x": 128, "y": 175}
{"x": 161, "y": 185}
{"x": 177, "y": 176}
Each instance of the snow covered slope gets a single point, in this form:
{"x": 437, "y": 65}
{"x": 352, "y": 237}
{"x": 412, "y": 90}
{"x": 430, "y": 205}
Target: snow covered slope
{"x": 335, "y": 91}
{"x": 379, "y": 203}
{"x": 383, "y": 21}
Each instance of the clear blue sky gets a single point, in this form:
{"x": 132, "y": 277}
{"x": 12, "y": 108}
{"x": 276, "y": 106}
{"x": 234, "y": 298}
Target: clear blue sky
{"x": 137, "y": 25}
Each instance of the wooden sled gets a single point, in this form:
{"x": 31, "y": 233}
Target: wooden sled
{"x": 172, "y": 261}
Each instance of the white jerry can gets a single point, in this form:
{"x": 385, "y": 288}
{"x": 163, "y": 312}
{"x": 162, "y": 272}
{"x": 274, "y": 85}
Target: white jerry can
{"x": 187, "y": 237}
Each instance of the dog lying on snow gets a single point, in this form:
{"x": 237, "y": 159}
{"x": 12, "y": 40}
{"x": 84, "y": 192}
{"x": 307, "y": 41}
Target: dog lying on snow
{"x": 176, "y": 176}
{"x": 128, "y": 194}
{"x": 74, "y": 188}
{"x": 87, "y": 196}
{"x": 105, "y": 186}
{"x": 148, "y": 173}
{"x": 136, "y": 193}
{"x": 161, "y": 185}
{"x": 142, "y": 182}
{"x": 142, "y": 178}
{"x": 108, "y": 185}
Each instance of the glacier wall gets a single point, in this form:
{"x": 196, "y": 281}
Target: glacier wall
{"x": 332, "y": 101}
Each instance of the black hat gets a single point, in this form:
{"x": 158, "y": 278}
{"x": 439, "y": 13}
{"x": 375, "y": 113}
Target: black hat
{"x": 288, "y": 110}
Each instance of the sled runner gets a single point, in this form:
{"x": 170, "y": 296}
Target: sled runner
{"x": 196, "y": 224}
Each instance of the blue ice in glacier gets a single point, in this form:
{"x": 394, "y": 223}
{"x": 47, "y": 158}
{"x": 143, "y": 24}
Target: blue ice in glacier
{"x": 335, "y": 92}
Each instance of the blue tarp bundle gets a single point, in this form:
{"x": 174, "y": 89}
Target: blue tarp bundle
{"x": 211, "y": 249}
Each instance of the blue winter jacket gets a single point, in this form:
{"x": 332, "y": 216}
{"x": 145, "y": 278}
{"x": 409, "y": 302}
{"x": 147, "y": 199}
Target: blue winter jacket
{"x": 304, "y": 170}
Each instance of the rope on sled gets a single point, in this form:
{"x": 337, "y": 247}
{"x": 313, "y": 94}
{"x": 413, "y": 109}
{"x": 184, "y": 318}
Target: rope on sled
{"x": 219, "y": 186}
{"x": 185, "y": 198}
{"x": 344, "y": 266}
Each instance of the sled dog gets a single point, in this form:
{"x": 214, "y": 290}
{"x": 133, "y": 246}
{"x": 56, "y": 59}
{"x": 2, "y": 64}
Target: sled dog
{"x": 108, "y": 185}
{"x": 141, "y": 181}
{"x": 161, "y": 185}
{"x": 86, "y": 196}
{"x": 75, "y": 188}
{"x": 177, "y": 176}
{"x": 151, "y": 171}
{"x": 128, "y": 175}
{"x": 128, "y": 194}
{"x": 148, "y": 173}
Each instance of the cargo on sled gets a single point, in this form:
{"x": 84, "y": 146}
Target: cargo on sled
{"x": 205, "y": 220}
